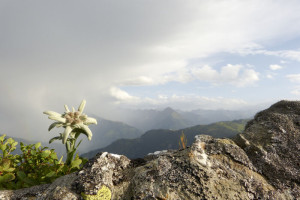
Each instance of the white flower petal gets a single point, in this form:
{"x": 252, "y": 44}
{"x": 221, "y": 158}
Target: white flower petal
{"x": 87, "y": 131}
{"x": 66, "y": 133}
{"x": 57, "y": 118}
{"x": 67, "y": 109}
{"x": 81, "y": 106}
{"x": 79, "y": 125}
{"x": 90, "y": 120}
{"x": 52, "y": 113}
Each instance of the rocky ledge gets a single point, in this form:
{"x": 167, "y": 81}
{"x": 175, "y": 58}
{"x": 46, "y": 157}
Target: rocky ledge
{"x": 261, "y": 163}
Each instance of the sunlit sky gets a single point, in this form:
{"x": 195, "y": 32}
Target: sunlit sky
{"x": 187, "y": 54}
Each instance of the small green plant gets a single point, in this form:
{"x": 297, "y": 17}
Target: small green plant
{"x": 8, "y": 161}
{"x": 182, "y": 141}
{"x": 75, "y": 123}
{"x": 35, "y": 165}
{"x": 40, "y": 165}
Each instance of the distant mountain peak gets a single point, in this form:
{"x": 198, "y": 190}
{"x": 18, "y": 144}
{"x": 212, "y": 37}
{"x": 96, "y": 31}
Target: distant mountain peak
{"x": 168, "y": 110}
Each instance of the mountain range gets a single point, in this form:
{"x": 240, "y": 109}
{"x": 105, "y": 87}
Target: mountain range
{"x": 161, "y": 139}
{"x": 170, "y": 118}
{"x": 133, "y": 123}
{"x": 106, "y": 132}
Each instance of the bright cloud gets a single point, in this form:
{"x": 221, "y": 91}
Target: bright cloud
{"x": 205, "y": 73}
{"x": 275, "y": 67}
{"x": 236, "y": 75}
{"x": 121, "y": 95}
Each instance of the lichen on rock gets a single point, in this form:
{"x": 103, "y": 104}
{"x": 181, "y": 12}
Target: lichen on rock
{"x": 103, "y": 194}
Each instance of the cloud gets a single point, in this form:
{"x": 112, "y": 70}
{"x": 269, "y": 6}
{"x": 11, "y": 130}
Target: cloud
{"x": 270, "y": 76}
{"x": 296, "y": 91}
{"x": 236, "y": 75}
{"x": 294, "y": 77}
{"x": 283, "y": 62}
{"x": 139, "y": 81}
{"x": 290, "y": 54}
{"x": 259, "y": 50}
{"x": 180, "y": 74}
{"x": 205, "y": 73}
{"x": 184, "y": 102}
{"x": 121, "y": 95}
{"x": 86, "y": 47}
{"x": 275, "y": 67}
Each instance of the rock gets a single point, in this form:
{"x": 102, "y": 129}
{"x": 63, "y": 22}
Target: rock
{"x": 103, "y": 170}
{"x": 272, "y": 143}
{"x": 261, "y": 163}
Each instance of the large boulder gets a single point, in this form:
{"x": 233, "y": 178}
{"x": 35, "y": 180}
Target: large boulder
{"x": 272, "y": 142}
{"x": 261, "y": 163}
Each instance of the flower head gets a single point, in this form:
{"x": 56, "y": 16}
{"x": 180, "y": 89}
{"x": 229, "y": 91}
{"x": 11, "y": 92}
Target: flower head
{"x": 73, "y": 121}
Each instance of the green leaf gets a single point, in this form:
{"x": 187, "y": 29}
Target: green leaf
{"x": 2, "y": 137}
{"x": 22, "y": 146}
{"x": 21, "y": 175}
{"x": 7, "y": 177}
{"x": 76, "y": 163}
{"x": 51, "y": 174}
{"x": 6, "y": 164}
{"x": 14, "y": 144}
{"x": 37, "y": 145}
{"x": 3, "y": 147}
{"x": 60, "y": 159}
{"x": 55, "y": 124}
{"x": 10, "y": 140}
{"x": 55, "y": 138}
{"x": 10, "y": 169}
{"x": 33, "y": 152}
{"x": 53, "y": 156}
{"x": 45, "y": 153}
{"x": 78, "y": 144}
{"x": 30, "y": 181}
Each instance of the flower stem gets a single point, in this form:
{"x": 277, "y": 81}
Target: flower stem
{"x": 71, "y": 149}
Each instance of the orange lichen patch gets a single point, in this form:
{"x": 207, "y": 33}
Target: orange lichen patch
{"x": 163, "y": 198}
{"x": 202, "y": 145}
{"x": 191, "y": 155}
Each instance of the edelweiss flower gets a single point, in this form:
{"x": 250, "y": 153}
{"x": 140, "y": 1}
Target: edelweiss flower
{"x": 73, "y": 122}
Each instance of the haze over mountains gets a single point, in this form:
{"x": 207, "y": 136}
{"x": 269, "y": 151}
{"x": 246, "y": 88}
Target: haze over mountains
{"x": 169, "y": 118}
{"x": 134, "y": 123}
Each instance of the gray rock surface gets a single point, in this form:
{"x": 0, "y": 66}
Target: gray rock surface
{"x": 261, "y": 163}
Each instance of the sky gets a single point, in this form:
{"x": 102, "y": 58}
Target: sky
{"x": 142, "y": 54}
